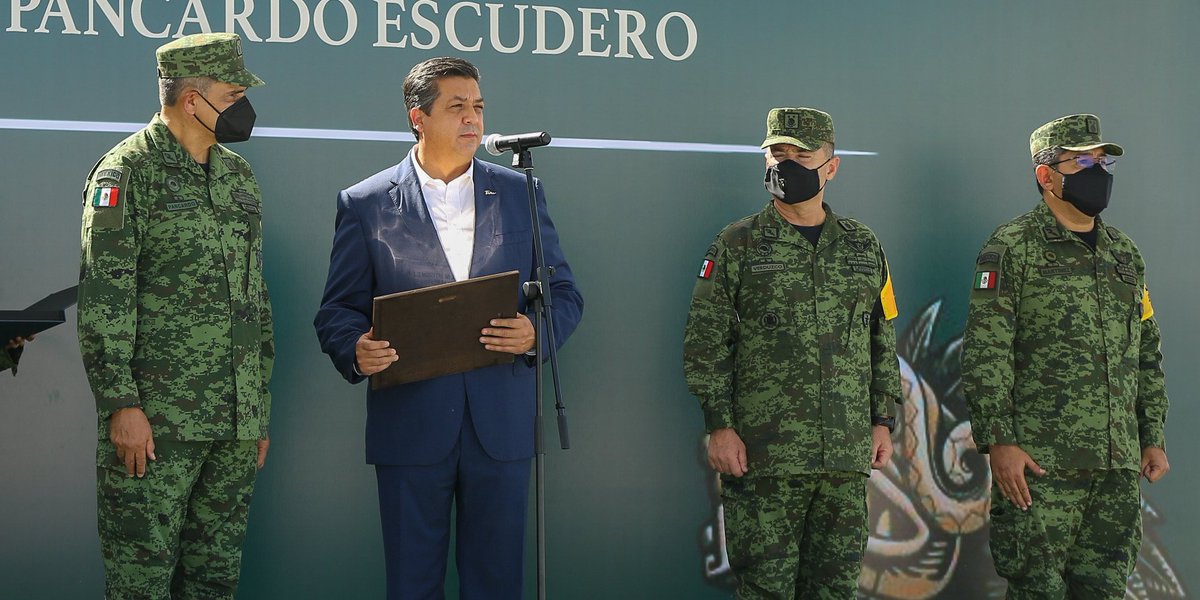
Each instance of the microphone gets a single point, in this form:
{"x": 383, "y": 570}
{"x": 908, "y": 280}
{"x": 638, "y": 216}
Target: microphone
{"x": 497, "y": 144}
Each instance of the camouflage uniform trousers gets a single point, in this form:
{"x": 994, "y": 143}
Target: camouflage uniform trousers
{"x": 176, "y": 533}
{"x": 796, "y": 537}
{"x": 1079, "y": 539}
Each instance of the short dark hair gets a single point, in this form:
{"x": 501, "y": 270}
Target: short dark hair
{"x": 1045, "y": 156}
{"x": 171, "y": 88}
{"x": 420, "y": 86}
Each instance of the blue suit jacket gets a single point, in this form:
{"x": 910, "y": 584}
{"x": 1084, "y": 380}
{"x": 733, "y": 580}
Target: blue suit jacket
{"x": 385, "y": 242}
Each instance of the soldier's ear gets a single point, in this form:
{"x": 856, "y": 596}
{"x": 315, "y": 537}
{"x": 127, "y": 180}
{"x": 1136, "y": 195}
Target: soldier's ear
{"x": 188, "y": 101}
{"x": 831, "y": 169}
{"x": 1044, "y": 177}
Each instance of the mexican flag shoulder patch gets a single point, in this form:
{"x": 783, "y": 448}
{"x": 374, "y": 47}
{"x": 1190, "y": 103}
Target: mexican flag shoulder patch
{"x": 706, "y": 269}
{"x": 106, "y": 196}
{"x": 986, "y": 280}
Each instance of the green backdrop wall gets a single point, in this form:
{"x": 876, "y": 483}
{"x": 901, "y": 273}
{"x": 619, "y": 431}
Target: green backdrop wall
{"x": 940, "y": 95}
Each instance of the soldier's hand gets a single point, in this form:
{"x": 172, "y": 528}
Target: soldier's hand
{"x": 263, "y": 444}
{"x": 17, "y": 342}
{"x": 726, "y": 452}
{"x": 129, "y": 431}
{"x": 881, "y": 446}
{"x": 1154, "y": 464}
{"x": 1009, "y": 462}
{"x": 514, "y": 336}
{"x": 372, "y": 355}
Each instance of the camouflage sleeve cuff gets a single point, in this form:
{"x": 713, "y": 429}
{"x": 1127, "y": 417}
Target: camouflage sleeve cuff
{"x": 991, "y": 431}
{"x": 881, "y": 404}
{"x": 266, "y": 408}
{"x": 717, "y": 419}
{"x": 112, "y": 396}
{"x": 106, "y": 409}
{"x": 1151, "y": 436}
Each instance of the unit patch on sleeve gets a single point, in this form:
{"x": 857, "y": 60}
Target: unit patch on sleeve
{"x": 989, "y": 256}
{"x": 988, "y": 267}
{"x": 106, "y": 196}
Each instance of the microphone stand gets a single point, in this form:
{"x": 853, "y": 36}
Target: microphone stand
{"x": 537, "y": 294}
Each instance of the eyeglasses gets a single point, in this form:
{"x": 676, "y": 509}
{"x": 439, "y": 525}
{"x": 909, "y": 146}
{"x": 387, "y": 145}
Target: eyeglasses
{"x": 1087, "y": 161}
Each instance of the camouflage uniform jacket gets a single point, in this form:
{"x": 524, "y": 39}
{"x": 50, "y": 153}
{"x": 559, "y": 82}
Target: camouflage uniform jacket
{"x": 1061, "y": 351}
{"x": 174, "y": 315}
{"x": 792, "y": 346}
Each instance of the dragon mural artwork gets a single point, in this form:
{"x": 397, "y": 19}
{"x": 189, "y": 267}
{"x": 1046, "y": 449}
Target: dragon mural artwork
{"x": 929, "y": 507}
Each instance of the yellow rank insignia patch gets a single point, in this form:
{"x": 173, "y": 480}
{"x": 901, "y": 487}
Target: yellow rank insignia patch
{"x": 887, "y": 297}
{"x": 1147, "y": 308}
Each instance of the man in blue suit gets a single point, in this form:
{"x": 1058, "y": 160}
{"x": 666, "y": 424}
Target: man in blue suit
{"x": 440, "y": 216}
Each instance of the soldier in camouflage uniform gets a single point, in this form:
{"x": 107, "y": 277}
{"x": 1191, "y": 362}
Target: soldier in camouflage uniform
{"x": 1061, "y": 369}
{"x": 175, "y": 330}
{"x": 790, "y": 348}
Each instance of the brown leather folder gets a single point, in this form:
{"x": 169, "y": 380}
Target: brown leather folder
{"x": 435, "y": 330}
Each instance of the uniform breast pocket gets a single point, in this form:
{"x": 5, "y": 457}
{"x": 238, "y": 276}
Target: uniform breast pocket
{"x": 1123, "y": 299}
{"x": 1134, "y": 322}
{"x": 858, "y": 328}
{"x": 184, "y": 217}
{"x": 766, "y": 306}
{"x": 176, "y": 243}
{"x": 251, "y": 222}
{"x": 241, "y": 229}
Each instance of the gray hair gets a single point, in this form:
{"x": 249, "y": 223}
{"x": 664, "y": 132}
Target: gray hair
{"x": 171, "y": 88}
{"x": 1049, "y": 155}
{"x": 420, "y": 86}
{"x": 1045, "y": 156}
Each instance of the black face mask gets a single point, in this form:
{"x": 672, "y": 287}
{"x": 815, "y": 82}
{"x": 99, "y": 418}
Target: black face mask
{"x": 235, "y": 123}
{"x": 1087, "y": 190}
{"x": 791, "y": 182}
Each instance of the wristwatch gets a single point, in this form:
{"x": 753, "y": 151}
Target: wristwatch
{"x": 889, "y": 422}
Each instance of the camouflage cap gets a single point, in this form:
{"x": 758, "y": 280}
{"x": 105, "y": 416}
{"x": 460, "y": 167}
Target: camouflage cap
{"x": 807, "y": 128}
{"x": 1077, "y": 133}
{"x": 215, "y": 55}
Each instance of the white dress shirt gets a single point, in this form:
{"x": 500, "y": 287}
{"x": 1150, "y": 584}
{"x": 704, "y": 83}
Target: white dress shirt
{"x": 452, "y": 207}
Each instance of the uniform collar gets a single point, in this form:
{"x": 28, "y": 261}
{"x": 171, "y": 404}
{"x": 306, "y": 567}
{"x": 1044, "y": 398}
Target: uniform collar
{"x": 774, "y": 227}
{"x": 1052, "y": 230}
{"x": 172, "y": 154}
